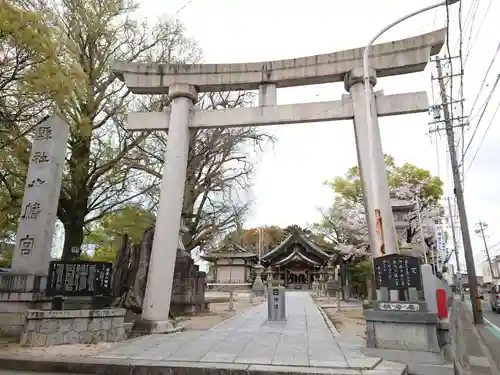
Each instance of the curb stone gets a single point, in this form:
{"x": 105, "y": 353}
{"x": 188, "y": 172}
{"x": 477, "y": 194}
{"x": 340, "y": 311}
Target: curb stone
{"x": 79, "y": 365}
{"x": 329, "y": 323}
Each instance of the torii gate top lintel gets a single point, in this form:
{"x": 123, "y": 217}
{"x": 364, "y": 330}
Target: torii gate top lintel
{"x": 403, "y": 56}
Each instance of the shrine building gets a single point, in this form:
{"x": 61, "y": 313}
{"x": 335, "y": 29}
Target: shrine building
{"x": 296, "y": 261}
{"x": 231, "y": 263}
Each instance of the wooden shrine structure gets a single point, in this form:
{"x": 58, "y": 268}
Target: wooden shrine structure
{"x": 296, "y": 262}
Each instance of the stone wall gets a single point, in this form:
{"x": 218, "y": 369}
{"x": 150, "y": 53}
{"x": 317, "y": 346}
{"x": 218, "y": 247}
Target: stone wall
{"x": 50, "y": 327}
{"x": 188, "y": 289}
{"x": 19, "y": 293}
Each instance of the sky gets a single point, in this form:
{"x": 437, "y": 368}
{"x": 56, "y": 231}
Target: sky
{"x": 288, "y": 182}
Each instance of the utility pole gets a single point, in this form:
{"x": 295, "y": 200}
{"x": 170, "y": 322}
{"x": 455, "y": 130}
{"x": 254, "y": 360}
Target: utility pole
{"x": 477, "y": 309}
{"x": 480, "y": 230}
{"x": 455, "y": 247}
{"x": 420, "y": 229}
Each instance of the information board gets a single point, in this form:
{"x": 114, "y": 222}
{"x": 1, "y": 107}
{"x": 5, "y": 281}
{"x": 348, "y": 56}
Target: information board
{"x": 79, "y": 278}
{"x": 397, "y": 271}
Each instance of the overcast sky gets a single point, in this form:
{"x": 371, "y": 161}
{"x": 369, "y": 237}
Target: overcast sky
{"x": 288, "y": 181}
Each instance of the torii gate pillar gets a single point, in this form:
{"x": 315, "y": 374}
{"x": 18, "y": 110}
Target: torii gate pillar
{"x": 156, "y": 306}
{"x": 353, "y": 83}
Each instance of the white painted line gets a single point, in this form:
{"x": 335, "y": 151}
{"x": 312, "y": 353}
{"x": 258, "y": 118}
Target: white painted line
{"x": 491, "y": 324}
{"x": 486, "y": 320}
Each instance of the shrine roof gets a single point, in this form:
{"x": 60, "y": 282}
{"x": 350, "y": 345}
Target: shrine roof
{"x": 402, "y": 205}
{"x": 300, "y": 256}
{"x": 296, "y": 238}
{"x": 231, "y": 247}
{"x": 231, "y": 250}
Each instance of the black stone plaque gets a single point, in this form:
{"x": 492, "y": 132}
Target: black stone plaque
{"x": 79, "y": 278}
{"x": 396, "y": 272}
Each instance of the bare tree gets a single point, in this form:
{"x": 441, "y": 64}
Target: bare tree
{"x": 219, "y": 170}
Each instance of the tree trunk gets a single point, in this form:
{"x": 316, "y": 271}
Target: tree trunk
{"x": 73, "y": 237}
{"x": 141, "y": 279}
{"x": 121, "y": 268}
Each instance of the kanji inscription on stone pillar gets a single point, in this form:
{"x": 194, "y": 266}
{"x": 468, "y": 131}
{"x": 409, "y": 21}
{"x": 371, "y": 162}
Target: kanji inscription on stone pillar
{"x": 41, "y": 196}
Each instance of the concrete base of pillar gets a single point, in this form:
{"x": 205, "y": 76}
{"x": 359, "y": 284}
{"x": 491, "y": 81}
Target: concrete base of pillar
{"x": 18, "y": 294}
{"x": 417, "y": 342}
{"x": 148, "y": 327}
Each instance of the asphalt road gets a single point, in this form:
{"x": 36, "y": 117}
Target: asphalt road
{"x": 490, "y": 332}
{"x": 492, "y": 319}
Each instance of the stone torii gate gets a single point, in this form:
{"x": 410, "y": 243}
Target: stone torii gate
{"x": 183, "y": 82}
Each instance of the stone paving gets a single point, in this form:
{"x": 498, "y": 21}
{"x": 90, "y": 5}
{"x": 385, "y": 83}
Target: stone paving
{"x": 304, "y": 340}
{"x": 12, "y": 372}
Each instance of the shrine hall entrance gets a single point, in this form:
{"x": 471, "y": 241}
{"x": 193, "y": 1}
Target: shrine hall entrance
{"x": 298, "y": 277}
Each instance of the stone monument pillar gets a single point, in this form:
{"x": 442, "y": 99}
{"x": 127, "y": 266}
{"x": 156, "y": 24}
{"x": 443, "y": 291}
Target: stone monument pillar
{"x": 163, "y": 255}
{"x": 353, "y": 83}
{"x": 24, "y": 287}
{"x": 41, "y": 197}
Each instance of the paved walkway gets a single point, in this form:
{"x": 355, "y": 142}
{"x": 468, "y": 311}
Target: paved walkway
{"x": 304, "y": 340}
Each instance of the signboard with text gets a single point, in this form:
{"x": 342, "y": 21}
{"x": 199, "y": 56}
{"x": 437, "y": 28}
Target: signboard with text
{"x": 397, "y": 271}
{"x": 276, "y": 298}
{"x": 79, "y": 279}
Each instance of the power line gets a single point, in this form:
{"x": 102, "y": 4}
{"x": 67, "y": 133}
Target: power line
{"x": 495, "y": 245}
{"x": 461, "y": 89}
{"x": 481, "y": 117}
{"x": 480, "y": 227}
{"x": 472, "y": 12}
{"x": 448, "y": 50}
{"x": 182, "y": 8}
{"x": 485, "y": 77}
{"x": 471, "y": 44}
{"x": 484, "y": 136}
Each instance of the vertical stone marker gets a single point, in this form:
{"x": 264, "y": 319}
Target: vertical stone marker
{"x": 41, "y": 196}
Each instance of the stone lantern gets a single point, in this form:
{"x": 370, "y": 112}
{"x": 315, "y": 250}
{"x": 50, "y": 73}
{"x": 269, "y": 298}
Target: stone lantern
{"x": 181, "y": 250}
{"x": 332, "y": 284}
{"x": 258, "y": 286}
{"x": 323, "y": 278}
{"x": 269, "y": 274}
{"x": 316, "y": 285}
{"x": 401, "y": 210}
